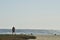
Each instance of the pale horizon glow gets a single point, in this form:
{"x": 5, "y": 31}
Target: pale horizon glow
{"x": 30, "y": 14}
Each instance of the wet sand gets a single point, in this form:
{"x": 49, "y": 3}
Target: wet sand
{"x": 15, "y": 37}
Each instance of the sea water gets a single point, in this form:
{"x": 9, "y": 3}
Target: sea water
{"x": 29, "y": 31}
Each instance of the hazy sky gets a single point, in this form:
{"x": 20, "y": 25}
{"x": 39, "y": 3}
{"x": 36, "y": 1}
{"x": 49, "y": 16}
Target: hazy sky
{"x": 30, "y": 14}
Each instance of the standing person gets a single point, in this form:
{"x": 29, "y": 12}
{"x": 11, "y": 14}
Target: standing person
{"x": 13, "y": 29}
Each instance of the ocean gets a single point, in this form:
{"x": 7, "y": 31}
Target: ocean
{"x": 29, "y": 31}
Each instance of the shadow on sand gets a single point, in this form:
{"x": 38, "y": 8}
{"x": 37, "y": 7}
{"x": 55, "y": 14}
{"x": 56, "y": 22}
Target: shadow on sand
{"x": 16, "y": 37}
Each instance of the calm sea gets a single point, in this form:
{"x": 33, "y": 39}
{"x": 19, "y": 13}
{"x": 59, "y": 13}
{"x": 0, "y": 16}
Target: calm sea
{"x": 29, "y": 31}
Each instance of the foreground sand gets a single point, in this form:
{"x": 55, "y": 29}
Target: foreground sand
{"x": 47, "y": 37}
{"x": 16, "y": 37}
{"x": 28, "y": 37}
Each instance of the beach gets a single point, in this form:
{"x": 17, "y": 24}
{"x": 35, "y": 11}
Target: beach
{"x": 29, "y": 37}
{"x": 26, "y": 34}
{"x": 47, "y": 37}
{"x": 16, "y": 37}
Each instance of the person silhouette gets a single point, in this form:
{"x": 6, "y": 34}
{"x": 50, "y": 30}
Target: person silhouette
{"x": 13, "y": 29}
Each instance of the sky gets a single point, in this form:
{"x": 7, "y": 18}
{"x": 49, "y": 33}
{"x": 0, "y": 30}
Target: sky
{"x": 30, "y": 14}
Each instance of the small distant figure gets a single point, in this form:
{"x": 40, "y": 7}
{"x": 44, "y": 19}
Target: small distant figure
{"x": 31, "y": 34}
{"x": 13, "y": 29}
{"x": 55, "y": 34}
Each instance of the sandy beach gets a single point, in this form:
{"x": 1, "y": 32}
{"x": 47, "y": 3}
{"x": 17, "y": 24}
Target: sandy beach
{"x": 29, "y": 37}
{"x": 47, "y": 37}
{"x": 16, "y": 37}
